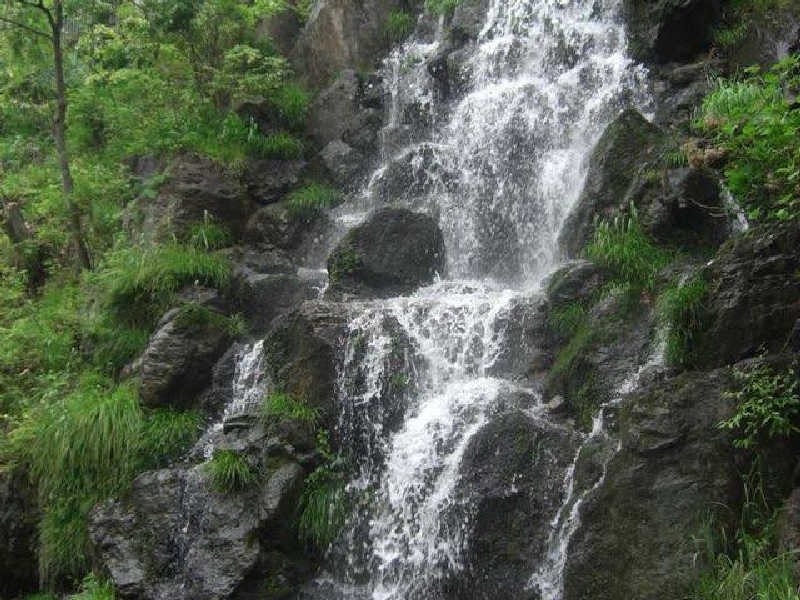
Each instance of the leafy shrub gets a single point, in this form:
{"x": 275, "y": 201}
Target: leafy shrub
{"x": 767, "y": 406}
{"x": 278, "y": 404}
{"x": 141, "y": 283}
{"x": 229, "y": 472}
{"x": 682, "y": 308}
{"x": 631, "y": 256}
{"x": 753, "y": 119}
{"x": 309, "y": 200}
{"x": 398, "y": 25}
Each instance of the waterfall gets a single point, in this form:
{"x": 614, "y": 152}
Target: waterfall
{"x": 499, "y": 163}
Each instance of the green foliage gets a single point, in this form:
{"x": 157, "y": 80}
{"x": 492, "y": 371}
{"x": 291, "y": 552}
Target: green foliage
{"x": 142, "y": 283}
{"x": 308, "y": 201}
{"x": 280, "y": 146}
{"x": 740, "y": 17}
{"x": 93, "y": 589}
{"x": 441, "y": 7}
{"x": 747, "y": 567}
{"x": 398, "y": 25}
{"x": 767, "y": 406}
{"x": 323, "y": 504}
{"x": 290, "y": 102}
{"x": 568, "y": 318}
{"x": 208, "y": 236}
{"x": 229, "y": 472}
{"x": 682, "y": 308}
{"x": 752, "y": 118}
{"x": 166, "y": 434}
{"x": 343, "y": 262}
{"x": 277, "y": 404}
{"x": 622, "y": 247}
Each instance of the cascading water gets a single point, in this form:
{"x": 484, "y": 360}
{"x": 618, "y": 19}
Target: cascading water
{"x": 500, "y": 166}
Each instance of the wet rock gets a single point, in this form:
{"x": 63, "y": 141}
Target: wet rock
{"x": 195, "y": 188}
{"x": 663, "y": 31}
{"x": 342, "y": 161}
{"x": 674, "y": 465}
{"x": 267, "y": 180}
{"x": 768, "y": 37}
{"x": 393, "y": 252}
{"x": 512, "y": 477}
{"x": 19, "y": 572}
{"x": 467, "y": 21}
{"x": 192, "y": 542}
{"x": 275, "y": 226}
{"x": 334, "y": 108}
{"x": 411, "y": 175}
{"x": 754, "y": 294}
{"x": 261, "y": 298}
{"x": 176, "y": 365}
{"x": 679, "y": 89}
{"x": 626, "y": 144}
{"x": 682, "y": 207}
{"x": 301, "y": 352}
{"x": 577, "y": 281}
{"x": 527, "y": 351}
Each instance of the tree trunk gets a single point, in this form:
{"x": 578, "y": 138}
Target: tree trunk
{"x": 59, "y": 133}
{"x": 31, "y": 258}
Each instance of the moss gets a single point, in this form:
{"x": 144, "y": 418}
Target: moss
{"x": 196, "y": 317}
{"x": 343, "y": 262}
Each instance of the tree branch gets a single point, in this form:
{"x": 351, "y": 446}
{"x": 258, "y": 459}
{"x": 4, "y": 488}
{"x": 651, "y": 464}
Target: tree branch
{"x": 26, "y": 28}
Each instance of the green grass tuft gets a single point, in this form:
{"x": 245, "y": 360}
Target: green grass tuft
{"x": 229, "y": 472}
{"x": 280, "y": 145}
{"x": 398, "y": 25}
{"x": 165, "y": 435}
{"x": 194, "y": 316}
{"x": 208, "y": 236}
{"x": 441, "y": 7}
{"x": 308, "y": 201}
{"x": 93, "y": 589}
{"x": 283, "y": 405}
{"x": 568, "y": 318}
{"x": 291, "y": 101}
{"x": 322, "y": 507}
{"x": 682, "y": 308}
{"x": 628, "y": 252}
{"x": 142, "y": 283}
{"x": 342, "y": 263}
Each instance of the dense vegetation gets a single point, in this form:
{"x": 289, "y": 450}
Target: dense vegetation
{"x": 155, "y": 78}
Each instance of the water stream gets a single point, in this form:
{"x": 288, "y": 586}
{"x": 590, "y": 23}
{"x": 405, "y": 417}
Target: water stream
{"x": 499, "y": 165}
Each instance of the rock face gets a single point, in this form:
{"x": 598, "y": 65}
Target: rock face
{"x": 194, "y": 187}
{"x": 664, "y": 31}
{"x": 677, "y": 206}
{"x": 512, "y": 475}
{"x": 393, "y": 252}
{"x": 674, "y": 465}
{"x": 754, "y": 293}
{"x": 18, "y": 536}
{"x": 301, "y": 353}
{"x": 176, "y": 365}
{"x": 174, "y": 537}
{"x": 627, "y": 143}
{"x": 341, "y": 34}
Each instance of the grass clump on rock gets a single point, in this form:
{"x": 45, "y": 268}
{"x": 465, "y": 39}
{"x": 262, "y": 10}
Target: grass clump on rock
{"x": 398, "y": 25}
{"x": 310, "y": 200}
{"x": 682, "y": 308}
{"x": 229, "y": 472}
{"x": 278, "y": 404}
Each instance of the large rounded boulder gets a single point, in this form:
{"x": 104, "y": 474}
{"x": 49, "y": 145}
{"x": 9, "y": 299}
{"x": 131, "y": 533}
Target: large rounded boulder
{"x": 393, "y": 252}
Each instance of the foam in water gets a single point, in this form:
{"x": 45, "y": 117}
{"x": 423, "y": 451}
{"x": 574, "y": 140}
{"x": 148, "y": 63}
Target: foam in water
{"x": 500, "y": 167}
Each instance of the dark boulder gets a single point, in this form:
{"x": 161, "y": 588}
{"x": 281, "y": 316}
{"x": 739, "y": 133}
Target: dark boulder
{"x": 173, "y": 536}
{"x": 754, "y": 294}
{"x": 788, "y": 528}
{"x": 626, "y": 145}
{"x": 663, "y": 31}
{"x": 393, "y": 252}
{"x": 302, "y": 350}
{"x": 343, "y": 162}
{"x": 673, "y": 467}
{"x": 176, "y": 365}
{"x": 679, "y": 89}
{"x": 19, "y": 570}
{"x": 512, "y": 477}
